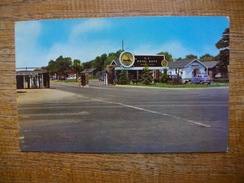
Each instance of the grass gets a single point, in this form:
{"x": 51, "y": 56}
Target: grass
{"x": 68, "y": 81}
{"x": 164, "y": 85}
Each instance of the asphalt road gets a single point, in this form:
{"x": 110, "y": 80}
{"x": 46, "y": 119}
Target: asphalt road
{"x": 109, "y": 119}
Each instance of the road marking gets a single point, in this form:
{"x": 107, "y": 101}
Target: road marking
{"x": 155, "y": 112}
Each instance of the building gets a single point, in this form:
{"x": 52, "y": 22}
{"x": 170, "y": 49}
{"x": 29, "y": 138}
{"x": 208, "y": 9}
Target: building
{"x": 212, "y": 68}
{"x": 32, "y": 79}
{"x": 187, "y": 68}
{"x": 134, "y": 65}
{"x": 92, "y": 73}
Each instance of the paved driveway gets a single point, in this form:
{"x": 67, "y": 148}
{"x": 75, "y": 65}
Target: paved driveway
{"x": 124, "y": 119}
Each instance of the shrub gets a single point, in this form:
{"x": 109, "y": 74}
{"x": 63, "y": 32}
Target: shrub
{"x": 123, "y": 78}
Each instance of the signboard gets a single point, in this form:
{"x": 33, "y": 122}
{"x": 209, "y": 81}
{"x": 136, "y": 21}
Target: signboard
{"x": 127, "y": 59}
{"x": 150, "y": 61}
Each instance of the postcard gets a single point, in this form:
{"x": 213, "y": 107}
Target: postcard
{"x": 123, "y": 84}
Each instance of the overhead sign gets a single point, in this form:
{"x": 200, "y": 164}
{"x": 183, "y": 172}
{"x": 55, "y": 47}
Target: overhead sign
{"x": 127, "y": 59}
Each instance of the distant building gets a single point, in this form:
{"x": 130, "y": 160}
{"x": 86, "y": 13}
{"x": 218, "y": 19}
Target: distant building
{"x": 26, "y": 79}
{"x": 93, "y": 72}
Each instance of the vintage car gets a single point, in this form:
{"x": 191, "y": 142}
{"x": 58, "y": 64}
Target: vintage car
{"x": 201, "y": 78}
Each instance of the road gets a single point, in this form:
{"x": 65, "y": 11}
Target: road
{"x": 110, "y": 119}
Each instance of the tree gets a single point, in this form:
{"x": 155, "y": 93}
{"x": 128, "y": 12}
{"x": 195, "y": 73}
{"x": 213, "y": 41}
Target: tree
{"x": 146, "y": 77}
{"x": 52, "y": 67}
{"x": 76, "y": 67}
{"x": 206, "y": 58}
{"x": 164, "y": 78}
{"x": 61, "y": 66}
{"x": 123, "y": 78}
{"x": 112, "y": 56}
{"x": 167, "y": 55}
{"x": 190, "y": 57}
{"x": 87, "y": 65}
{"x": 223, "y": 56}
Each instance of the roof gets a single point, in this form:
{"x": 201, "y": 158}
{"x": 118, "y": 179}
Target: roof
{"x": 115, "y": 62}
{"x": 89, "y": 70}
{"x": 211, "y": 64}
{"x": 179, "y": 63}
{"x": 29, "y": 73}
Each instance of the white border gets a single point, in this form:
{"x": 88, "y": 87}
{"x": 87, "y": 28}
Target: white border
{"x": 121, "y": 60}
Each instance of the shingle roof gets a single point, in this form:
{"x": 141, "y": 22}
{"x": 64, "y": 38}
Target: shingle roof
{"x": 210, "y": 64}
{"x": 179, "y": 64}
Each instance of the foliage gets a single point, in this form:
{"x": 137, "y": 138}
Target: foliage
{"x": 62, "y": 66}
{"x": 146, "y": 77}
{"x": 164, "y": 78}
{"x": 190, "y": 57}
{"x": 206, "y": 58}
{"x": 102, "y": 61}
{"x": 112, "y": 56}
{"x": 223, "y": 56}
{"x": 123, "y": 78}
{"x": 77, "y": 67}
{"x": 167, "y": 55}
{"x": 52, "y": 67}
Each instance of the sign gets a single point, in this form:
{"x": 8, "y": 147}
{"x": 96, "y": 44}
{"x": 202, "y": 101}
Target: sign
{"x": 150, "y": 61}
{"x": 127, "y": 59}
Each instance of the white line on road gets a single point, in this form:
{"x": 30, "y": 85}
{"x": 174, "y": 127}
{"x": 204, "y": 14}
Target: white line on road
{"x": 155, "y": 112}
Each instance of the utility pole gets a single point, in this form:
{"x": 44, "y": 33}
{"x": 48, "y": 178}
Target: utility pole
{"x": 122, "y": 45}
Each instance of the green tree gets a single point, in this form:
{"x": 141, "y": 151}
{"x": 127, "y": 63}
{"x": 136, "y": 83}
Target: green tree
{"x": 112, "y": 56}
{"x": 206, "y": 58}
{"x": 164, "y": 78}
{"x": 146, "y": 77}
{"x": 76, "y": 67}
{"x": 190, "y": 57}
{"x": 87, "y": 65}
{"x": 167, "y": 55}
{"x": 223, "y": 56}
{"x": 123, "y": 78}
{"x": 52, "y": 67}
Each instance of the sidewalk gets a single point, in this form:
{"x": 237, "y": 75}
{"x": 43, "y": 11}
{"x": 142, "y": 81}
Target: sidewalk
{"x": 41, "y": 95}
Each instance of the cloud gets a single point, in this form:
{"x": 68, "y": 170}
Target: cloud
{"x": 79, "y": 46}
{"x": 174, "y": 47}
{"x": 87, "y": 26}
{"x": 84, "y": 52}
{"x": 26, "y": 38}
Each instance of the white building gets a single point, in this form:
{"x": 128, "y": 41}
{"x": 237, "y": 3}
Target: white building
{"x": 186, "y": 68}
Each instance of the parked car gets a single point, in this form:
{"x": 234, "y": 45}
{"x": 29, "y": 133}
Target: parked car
{"x": 201, "y": 78}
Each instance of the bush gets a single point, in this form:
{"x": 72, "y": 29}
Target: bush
{"x": 146, "y": 77}
{"x": 123, "y": 78}
{"x": 164, "y": 78}
{"x": 221, "y": 80}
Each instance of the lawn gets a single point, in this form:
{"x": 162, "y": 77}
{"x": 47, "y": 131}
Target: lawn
{"x": 164, "y": 85}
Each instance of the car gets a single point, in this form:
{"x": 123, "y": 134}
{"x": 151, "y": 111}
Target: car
{"x": 201, "y": 78}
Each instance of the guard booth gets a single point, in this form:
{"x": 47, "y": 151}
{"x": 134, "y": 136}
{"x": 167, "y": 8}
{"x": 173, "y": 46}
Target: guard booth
{"x": 84, "y": 79}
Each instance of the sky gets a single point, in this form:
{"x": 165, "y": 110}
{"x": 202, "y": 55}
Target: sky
{"x": 38, "y": 42}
